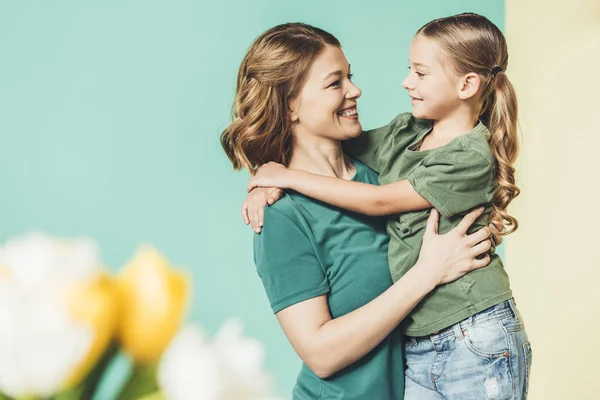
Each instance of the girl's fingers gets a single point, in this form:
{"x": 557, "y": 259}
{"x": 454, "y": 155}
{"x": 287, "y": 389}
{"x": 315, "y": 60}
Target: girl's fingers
{"x": 245, "y": 212}
{"x": 261, "y": 216}
{"x": 255, "y": 219}
{"x": 274, "y": 196}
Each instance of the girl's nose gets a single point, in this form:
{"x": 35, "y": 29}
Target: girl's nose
{"x": 407, "y": 83}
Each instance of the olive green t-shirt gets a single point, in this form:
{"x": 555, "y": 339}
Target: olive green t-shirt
{"x": 454, "y": 178}
{"x": 307, "y": 249}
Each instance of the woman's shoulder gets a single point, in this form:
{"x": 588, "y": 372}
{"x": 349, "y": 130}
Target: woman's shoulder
{"x": 364, "y": 173}
{"x": 284, "y": 225}
{"x": 286, "y": 213}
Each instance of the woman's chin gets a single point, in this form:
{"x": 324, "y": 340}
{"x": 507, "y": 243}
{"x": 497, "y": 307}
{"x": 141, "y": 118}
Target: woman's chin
{"x": 355, "y": 132}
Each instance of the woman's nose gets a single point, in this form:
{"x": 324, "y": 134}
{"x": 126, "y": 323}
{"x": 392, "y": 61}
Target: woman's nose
{"x": 354, "y": 92}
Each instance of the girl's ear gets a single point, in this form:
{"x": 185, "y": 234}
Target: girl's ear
{"x": 469, "y": 85}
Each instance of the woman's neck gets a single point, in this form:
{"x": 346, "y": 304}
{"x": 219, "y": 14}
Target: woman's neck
{"x": 322, "y": 157}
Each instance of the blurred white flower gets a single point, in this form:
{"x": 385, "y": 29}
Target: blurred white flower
{"x": 37, "y": 262}
{"x": 41, "y": 344}
{"x": 230, "y": 367}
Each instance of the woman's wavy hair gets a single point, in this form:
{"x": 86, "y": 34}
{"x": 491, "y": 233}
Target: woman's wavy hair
{"x": 270, "y": 76}
{"x": 473, "y": 43}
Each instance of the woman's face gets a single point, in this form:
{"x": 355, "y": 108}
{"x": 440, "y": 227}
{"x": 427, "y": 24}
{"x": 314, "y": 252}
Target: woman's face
{"x": 326, "y": 105}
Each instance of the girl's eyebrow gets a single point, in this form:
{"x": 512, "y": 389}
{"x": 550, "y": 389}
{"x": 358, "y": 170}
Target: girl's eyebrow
{"x": 418, "y": 64}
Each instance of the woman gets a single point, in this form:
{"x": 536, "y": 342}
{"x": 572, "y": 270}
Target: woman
{"x": 325, "y": 270}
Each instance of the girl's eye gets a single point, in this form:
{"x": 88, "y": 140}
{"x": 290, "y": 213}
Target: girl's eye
{"x": 419, "y": 74}
{"x": 350, "y": 76}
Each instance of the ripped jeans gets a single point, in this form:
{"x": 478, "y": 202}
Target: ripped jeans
{"x": 486, "y": 356}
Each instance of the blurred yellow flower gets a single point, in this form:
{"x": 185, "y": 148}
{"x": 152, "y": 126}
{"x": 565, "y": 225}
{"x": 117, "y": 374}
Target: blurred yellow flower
{"x": 58, "y": 313}
{"x": 154, "y": 299}
{"x": 96, "y": 305}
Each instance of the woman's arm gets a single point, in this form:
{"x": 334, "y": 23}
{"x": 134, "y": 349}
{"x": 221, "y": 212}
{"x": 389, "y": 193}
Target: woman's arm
{"x": 354, "y": 196}
{"x": 328, "y": 345}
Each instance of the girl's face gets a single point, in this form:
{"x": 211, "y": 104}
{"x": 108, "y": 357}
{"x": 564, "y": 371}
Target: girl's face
{"x": 326, "y": 105}
{"x": 430, "y": 82}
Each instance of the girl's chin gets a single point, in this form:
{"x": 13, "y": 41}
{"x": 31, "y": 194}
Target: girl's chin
{"x": 419, "y": 114}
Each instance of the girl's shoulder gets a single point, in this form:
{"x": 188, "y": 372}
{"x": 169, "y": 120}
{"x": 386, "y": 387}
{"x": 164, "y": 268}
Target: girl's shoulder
{"x": 407, "y": 121}
{"x": 477, "y": 141}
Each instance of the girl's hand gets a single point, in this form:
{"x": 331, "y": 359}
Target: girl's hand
{"x": 270, "y": 174}
{"x": 253, "y": 208}
{"x": 445, "y": 258}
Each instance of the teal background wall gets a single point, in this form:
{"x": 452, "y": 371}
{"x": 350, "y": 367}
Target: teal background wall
{"x": 110, "y": 114}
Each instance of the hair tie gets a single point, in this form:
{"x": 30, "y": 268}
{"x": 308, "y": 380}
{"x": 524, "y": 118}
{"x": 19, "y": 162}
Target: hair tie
{"x": 496, "y": 69}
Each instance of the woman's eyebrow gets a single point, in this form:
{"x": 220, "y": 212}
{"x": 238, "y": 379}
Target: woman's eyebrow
{"x": 337, "y": 72}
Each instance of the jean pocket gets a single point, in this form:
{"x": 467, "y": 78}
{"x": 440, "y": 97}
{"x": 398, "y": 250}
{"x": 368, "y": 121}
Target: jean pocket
{"x": 488, "y": 340}
{"x": 528, "y": 360}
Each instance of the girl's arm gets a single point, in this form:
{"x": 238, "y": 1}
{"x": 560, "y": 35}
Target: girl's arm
{"x": 359, "y": 197}
{"x": 328, "y": 345}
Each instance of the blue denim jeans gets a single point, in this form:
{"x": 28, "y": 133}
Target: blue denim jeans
{"x": 486, "y": 356}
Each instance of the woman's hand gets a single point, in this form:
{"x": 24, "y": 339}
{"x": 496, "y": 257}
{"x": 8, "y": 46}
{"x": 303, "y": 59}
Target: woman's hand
{"x": 445, "y": 258}
{"x": 270, "y": 174}
{"x": 253, "y": 208}
{"x": 496, "y": 233}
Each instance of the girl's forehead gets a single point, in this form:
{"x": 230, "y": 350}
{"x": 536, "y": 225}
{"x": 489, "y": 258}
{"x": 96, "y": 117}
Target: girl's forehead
{"x": 424, "y": 51}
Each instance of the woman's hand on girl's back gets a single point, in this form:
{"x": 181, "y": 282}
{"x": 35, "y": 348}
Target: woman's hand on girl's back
{"x": 445, "y": 258}
{"x": 253, "y": 208}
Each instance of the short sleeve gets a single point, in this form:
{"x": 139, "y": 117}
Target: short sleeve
{"x": 454, "y": 180}
{"x": 287, "y": 263}
{"x": 367, "y": 146}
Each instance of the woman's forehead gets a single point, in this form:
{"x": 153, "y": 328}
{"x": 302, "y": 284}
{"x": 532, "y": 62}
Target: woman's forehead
{"x": 330, "y": 61}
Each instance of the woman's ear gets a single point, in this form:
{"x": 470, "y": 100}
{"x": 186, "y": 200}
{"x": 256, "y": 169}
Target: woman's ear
{"x": 469, "y": 86}
{"x": 292, "y": 107}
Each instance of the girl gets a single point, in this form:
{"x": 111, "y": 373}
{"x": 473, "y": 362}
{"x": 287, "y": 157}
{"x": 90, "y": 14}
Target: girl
{"x": 466, "y": 339}
{"x": 324, "y": 269}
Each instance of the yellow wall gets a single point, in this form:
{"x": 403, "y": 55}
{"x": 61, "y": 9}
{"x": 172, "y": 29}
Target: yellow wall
{"x": 553, "y": 259}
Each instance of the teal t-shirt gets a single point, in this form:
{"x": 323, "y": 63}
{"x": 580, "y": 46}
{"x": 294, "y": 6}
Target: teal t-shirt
{"x": 454, "y": 178}
{"x": 308, "y": 248}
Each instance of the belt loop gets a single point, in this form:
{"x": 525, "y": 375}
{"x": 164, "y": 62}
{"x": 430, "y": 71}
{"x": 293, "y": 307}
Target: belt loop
{"x": 513, "y": 308}
{"x": 458, "y": 334}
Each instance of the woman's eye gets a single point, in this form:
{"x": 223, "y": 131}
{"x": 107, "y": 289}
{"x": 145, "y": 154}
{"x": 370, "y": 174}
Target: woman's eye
{"x": 350, "y": 76}
{"x": 335, "y": 84}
